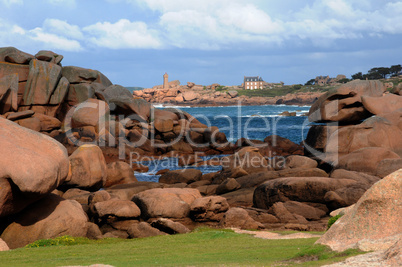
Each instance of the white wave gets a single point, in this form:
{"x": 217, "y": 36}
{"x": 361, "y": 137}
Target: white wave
{"x": 260, "y": 116}
{"x": 158, "y": 105}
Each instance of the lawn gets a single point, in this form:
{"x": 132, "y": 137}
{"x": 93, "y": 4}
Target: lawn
{"x": 199, "y": 248}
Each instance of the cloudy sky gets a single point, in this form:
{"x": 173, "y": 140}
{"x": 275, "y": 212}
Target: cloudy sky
{"x": 134, "y": 42}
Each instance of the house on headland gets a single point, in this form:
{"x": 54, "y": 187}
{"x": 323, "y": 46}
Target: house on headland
{"x": 253, "y": 82}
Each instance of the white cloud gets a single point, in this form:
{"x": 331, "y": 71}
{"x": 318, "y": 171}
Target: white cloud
{"x": 249, "y": 19}
{"x": 211, "y": 24}
{"x": 215, "y": 24}
{"x": 53, "y": 41}
{"x": 122, "y": 34}
{"x": 37, "y": 38}
{"x": 219, "y": 26}
{"x": 62, "y": 27}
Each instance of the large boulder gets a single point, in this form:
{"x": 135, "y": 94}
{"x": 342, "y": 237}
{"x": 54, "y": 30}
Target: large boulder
{"x": 166, "y": 202}
{"x": 279, "y": 146}
{"x": 91, "y": 112}
{"x": 239, "y": 218}
{"x": 125, "y": 102}
{"x": 78, "y": 75}
{"x": 88, "y": 168}
{"x": 143, "y": 229}
{"x": 60, "y": 92}
{"x": 374, "y": 221}
{"x": 210, "y": 208}
{"x": 127, "y": 191}
{"x": 353, "y": 175}
{"x": 256, "y": 179}
{"x": 296, "y": 161}
{"x": 49, "y": 56}
{"x": 380, "y": 131}
{"x": 31, "y": 166}
{"x": 317, "y": 138}
{"x": 42, "y": 81}
{"x": 307, "y": 211}
{"x": 119, "y": 172}
{"x": 3, "y": 245}
{"x": 344, "y": 103}
{"x": 48, "y": 218}
{"x": 118, "y": 208}
{"x": 388, "y": 166}
{"x": 78, "y": 93}
{"x": 47, "y": 123}
{"x": 248, "y": 158}
{"x": 13, "y": 55}
{"x": 381, "y": 105}
{"x": 8, "y": 93}
{"x": 366, "y": 159}
{"x": 189, "y": 96}
{"x": 233, "y": 93}
{"x": 302, "y": 189}
{"x": 169, "y": 226}
{"x": 181, "y": 176}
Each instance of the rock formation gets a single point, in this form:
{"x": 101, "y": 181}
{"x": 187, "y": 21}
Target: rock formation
{"x": 374, "y": 221}
{"x": 67, "y": 133}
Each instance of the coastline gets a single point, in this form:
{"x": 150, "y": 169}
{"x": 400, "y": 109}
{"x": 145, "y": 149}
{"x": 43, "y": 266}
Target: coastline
{"x": 197, "y": 105}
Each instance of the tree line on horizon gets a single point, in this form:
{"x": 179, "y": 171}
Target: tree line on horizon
{"x": 373, "y": 74}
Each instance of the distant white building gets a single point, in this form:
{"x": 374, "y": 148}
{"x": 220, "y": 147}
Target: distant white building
{"x": 254, "y": 82}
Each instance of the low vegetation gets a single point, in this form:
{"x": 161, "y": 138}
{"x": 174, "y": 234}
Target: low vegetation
{"x": 286, "y": 89}
{"x": 199, "y": 248}
{"x": 332, "y": 220}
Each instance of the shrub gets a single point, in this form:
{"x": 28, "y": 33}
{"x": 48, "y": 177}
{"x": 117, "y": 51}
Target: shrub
{"x": 332, "y": 220}
{"x": 58, "y": 241}
{"x": 297, "y": 86}
{"x": 344, "y": 80}
{"x": 220, "y": 88}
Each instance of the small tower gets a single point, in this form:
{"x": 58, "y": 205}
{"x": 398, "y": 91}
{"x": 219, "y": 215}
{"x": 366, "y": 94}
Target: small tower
{"x": 165, "y": 80}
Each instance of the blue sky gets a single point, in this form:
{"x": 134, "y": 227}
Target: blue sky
{"x": 134, "y": 42}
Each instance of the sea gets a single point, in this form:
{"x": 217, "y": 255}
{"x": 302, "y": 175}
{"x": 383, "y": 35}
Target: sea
{"x": 252, "y": 122}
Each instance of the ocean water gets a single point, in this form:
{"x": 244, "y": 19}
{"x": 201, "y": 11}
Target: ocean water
{"x": 252, "y": 122}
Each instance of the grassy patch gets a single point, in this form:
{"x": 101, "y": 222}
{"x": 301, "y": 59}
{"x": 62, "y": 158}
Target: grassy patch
{"x": 319, "y": 253}
{"x": 281, "y": 91}
{"x": 289, "y": 232}
{"x": 199, "y": 248}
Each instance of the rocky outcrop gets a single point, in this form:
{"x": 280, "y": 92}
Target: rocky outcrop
{"x": 381, "y": 131}
{"x": 32, "y": 165}
{"x": 181, "y": 176}
{"x": 208, "y": 209}
{"x": 166, "y": 202}
{"x": 239, "y": 218}
{"x": 3, "y": 245}
{"x": 50, "y": 217}
{"x": 88, "y": 168}
{"x": 382, "y": 105}
{"x": 119, "y": 172}
{"x": 345, "y": 103}
{"x": 170, "y": 227}
{"x": 248, "y": 158}
{"x": 304, "y": 189}
{"x": 198, "y": 95}
{"x": 118, "y": 208}
{"x": 374, "y": 221}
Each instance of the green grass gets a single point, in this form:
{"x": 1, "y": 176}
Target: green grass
{"x": 200, "y": 248}
{"x": 289, "y": 232}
